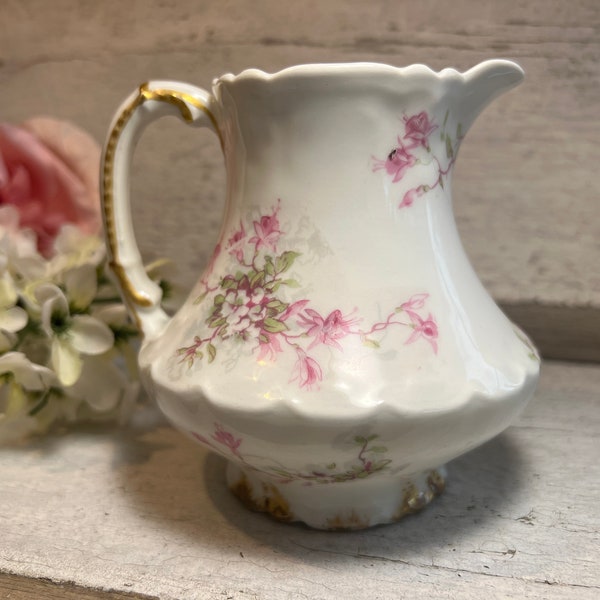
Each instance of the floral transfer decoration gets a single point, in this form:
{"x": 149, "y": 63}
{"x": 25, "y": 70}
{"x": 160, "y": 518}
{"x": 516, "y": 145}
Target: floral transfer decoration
{"x": 369, "y": 459}
{"x": 251, "y": 305}
{"x": 414, "y": 149}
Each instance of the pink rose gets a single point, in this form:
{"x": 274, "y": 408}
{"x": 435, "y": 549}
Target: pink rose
{"x": 49, "y": 173}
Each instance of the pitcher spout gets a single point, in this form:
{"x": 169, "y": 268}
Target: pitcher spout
{"x": 483, "y": 83}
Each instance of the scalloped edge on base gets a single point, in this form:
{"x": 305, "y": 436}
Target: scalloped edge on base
{"x": 341, "y": 506}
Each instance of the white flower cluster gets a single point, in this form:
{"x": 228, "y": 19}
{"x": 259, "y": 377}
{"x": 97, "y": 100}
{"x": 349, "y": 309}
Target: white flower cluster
{"x": 66, "y": 348}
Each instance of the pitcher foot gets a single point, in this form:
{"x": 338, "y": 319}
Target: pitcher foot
{"x": 340, "y": 506}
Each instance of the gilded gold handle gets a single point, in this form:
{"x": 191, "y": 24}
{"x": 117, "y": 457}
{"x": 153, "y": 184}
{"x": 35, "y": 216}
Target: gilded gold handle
{"x": 150, "y": 102}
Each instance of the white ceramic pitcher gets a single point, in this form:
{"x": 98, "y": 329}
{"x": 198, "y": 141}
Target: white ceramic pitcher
{"x": 339, "y": 348}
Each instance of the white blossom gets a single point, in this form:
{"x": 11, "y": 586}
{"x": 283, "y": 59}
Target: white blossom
{"x": 71, "y": 334}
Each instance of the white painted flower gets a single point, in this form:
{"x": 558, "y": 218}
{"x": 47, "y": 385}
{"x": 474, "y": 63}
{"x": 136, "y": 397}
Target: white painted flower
{"x": 71, "y": 334}
{"x": 258, "y": 295}
{"x": 238, "y": 325}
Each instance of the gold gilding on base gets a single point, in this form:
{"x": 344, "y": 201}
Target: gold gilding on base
{"x": 347, "y": 522}
{"x": 414, "y": 500}
{"x": 183, "y": 102}
{"x": 270, "y": 501}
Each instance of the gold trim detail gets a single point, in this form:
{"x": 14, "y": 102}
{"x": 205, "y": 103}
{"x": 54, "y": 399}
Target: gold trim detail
{"x": 270, "y": 501}
{"x": 181, "y": 101}
{"x": 415, "y": 500}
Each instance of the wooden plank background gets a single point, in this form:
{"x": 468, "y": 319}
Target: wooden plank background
{"x": 526, "y": 188}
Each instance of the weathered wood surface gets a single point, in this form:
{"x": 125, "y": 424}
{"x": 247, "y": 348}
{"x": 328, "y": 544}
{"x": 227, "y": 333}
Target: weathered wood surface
{"x": 526, "y": 189}
{"x": 146, "y": 511}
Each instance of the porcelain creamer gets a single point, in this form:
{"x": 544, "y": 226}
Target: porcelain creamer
{"x": 339, "y": 349}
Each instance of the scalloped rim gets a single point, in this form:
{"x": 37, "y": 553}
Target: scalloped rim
{"x": 371, "y": 69}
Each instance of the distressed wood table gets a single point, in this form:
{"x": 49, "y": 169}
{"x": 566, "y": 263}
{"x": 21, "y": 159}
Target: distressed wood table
{"x": 141, "y": 512}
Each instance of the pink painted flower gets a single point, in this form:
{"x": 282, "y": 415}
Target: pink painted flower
{"x": 410, "y": 196}
{"x": 224, "y": 437}
{"x": 201, "y": 438}
{"x": 418, "y": 128}
{"x": 235, "y": 244}
{"x": 398, "y": 161}
{"x": 268, "y": 350}
{"x": 307, "y": 371}
{"x": 49, "y": 172}
{"x": 326, "y": 330}
{"x": 293, "y": 309}
{"x": 423, "y": 328}
{"x": 415, "y": 302}
{"x": 267, "y": 231}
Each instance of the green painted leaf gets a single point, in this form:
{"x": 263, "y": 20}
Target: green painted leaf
{"x": 219, "y": 299}
{"x": 276, "y": 306}
{"x": 257, "y": 278}
{"x": 446, "y": 118}
{"x": 275, "y": 286}
{"x": 228, "y": 282}
{"x": 291, "y": 283}
{"x": 217, "y": 322}
{"x": 269, "y": 268}
{"x": 441, "y": 181}
{"x": 449, "y": 149}
{"x": 212, "y": 352}
{"x": 372, "y": 437}
{"x": 459, "y": 132}
{"x": 369, "y": 343}
{"x": 273, "y": 325}
{"x": 285, "y": 261}
{"x": 363, "y": 474}
{"x": 378, "y": 449}
{"x": 263, "y": 338}
{"x": 200, "y": 298}
{"x": 330, "y": 466}
{"x": 359, "y": 439}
